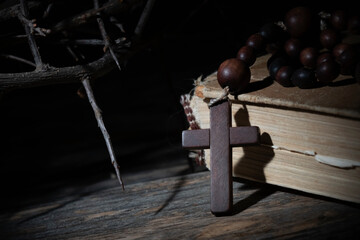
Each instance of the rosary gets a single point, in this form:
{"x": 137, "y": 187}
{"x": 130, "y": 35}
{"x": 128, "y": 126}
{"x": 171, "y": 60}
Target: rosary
{"x": 307, "y": 50}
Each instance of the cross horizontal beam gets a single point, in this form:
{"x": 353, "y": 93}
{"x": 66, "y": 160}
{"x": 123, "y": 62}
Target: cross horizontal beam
{"x": 239, "y": 136}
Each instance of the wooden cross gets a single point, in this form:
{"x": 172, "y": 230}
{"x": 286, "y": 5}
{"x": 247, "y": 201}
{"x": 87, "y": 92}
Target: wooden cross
{"x": 220, "y": 138}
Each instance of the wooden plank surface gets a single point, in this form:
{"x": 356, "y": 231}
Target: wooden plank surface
{"x": 179, "y": 208}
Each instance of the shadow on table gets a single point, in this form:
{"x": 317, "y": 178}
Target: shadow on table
{"x": 252, "y": 163}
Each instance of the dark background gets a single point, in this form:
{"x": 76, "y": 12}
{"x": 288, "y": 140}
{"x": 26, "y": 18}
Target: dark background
{"x": 49, "y": 135}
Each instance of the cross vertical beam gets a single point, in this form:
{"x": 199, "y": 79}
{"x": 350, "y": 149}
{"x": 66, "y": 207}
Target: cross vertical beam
{"x": 221, "y": 159}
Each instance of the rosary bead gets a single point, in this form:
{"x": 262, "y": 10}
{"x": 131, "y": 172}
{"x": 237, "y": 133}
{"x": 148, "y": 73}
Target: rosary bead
{"x": 327, "y": 71}
{"x": 308, "y": 57}
{"x": 235, "y": 74}
{"x": 303, "y": 78}
{"x": 329, "y": 38}
{"x": 338, "y": 20}
{"x": 293, "y": 47}
{"x": 247, "y": 54}
{"x": 283, "y": 76}
{"x": 276, "y": 64}
{"x": 339, "y": 49}
{"x": 298, "y": 21}
{"x": 324, "y": 57}
{"x": 347, "y": 60}
{"x": 275, "y": 55}
{"x": 256, "y": 41}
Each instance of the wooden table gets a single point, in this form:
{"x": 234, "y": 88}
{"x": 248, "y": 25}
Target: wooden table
{"x": 179, "y": 208}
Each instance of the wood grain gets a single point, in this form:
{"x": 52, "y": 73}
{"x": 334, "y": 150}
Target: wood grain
{"x": 221, "y": 158}
{"x": 179, "y": 208}
{"x": 196, "y": 139}
{"x": 242, "y": 136}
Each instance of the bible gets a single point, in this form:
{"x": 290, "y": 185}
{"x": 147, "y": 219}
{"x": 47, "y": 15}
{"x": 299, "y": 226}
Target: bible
{"x": 310, "y": 138}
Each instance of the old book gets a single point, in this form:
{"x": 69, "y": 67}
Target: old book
{"x": 310, "y": 138}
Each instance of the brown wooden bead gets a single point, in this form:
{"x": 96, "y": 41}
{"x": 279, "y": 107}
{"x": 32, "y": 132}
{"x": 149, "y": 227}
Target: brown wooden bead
{"x": 247, "y": 54}
{"x": 293, "y": 47}
{"x": 339, "y": 49}
{"x": 235, "y": 74}
{"x": 256, "y": 41}
{"x": 298, "y": 21}
{"x": 327, "y": 71}
{"x": 348, "y": 56}
{"x": 303, "y": 78}
{"x": 274, "y": 56}
{"x": 276, "y": 64}
{"x": 308, "y": 57}
{"x": 329, "y": 38}
{"x": 283, "y": 76}
{"x": 323, "y": 57}
{"x": 338, "y": 20}
{"x": 347, "y": 60}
